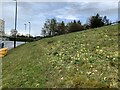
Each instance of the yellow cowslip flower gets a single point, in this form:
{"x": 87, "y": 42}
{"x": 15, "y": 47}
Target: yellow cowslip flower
{"x": 95, "y": 70}
{"x": 97, "y": 50}
{"x": 78, "y": 55}
{"x": 60, "y": 54}
{"x": 101, "y": 51}
{"x": 81, "y": 50}
{"x": 104, "y": 78}
{"x": 89, "y": 73}
{"x": 61, "y": 78}
{"x": 106, "y": 35}
{"x": 71, "y": 62}
{"x": 113, "y": 58}
{"x": 84, "y": 59}
{"x": 90, "y": 56}
{"x": 108, "y": 56}
{"x": 98, "y": 46}
{"x": 87, "y": 59}
{"x": 88, "y": 44}
{"x": 91, "y": 66}
{"x": 72, "y": 57}
{"x": 37, "y": 84}
{"x": 116, "y": 54}
{"x": 83, "y": 45}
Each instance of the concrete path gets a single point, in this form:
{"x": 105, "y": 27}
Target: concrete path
{"x": 10, "y": 44}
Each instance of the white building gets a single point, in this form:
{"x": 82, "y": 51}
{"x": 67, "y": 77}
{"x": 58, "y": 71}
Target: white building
{"x": 2, "y": 27}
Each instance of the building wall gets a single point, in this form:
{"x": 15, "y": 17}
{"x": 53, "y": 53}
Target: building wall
{"x": 2, "y": 27}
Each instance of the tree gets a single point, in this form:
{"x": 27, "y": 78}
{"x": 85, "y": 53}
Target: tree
{"x": 18, "y": 34}
{"x": 79, "y": 22}
{"x": 47, "y": 27}
{"x": 75, "y": 26}
{"x": 53, "y": 26}
{"x": 43, "y": 32}
{"x": 61, "y": 28}
{"x": 86, "y": 26}
{"x": 50, "y": 27}
{"x": 106, "y": 21}
{"x": 68, "y": 26}
{"x": 96, "y": 21}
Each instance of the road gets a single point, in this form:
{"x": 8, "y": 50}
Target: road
{"x": 10, "y": 44}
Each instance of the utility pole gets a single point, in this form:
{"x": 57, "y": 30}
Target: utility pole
{"x": 15, "y": 24}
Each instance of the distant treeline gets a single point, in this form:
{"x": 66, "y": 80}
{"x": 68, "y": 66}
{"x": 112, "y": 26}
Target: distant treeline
{"x": 52, "y": 27}
{"x": 21, "y": 38}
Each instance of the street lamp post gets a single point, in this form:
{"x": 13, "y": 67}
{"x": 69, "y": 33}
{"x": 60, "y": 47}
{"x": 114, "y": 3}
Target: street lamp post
{"x": 25, "y": 28}
{"x": 29, "y": 28}
{"x": 25, "y": 32}
{"x": 15, "y": 24}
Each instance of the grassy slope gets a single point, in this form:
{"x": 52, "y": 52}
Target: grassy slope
{"x": 80, "y": 59}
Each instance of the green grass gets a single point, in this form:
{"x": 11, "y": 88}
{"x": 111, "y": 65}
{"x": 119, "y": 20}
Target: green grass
{"x": 81, "y": 59}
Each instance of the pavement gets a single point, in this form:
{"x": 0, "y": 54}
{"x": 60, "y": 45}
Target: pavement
{"x": 10, "y": 44}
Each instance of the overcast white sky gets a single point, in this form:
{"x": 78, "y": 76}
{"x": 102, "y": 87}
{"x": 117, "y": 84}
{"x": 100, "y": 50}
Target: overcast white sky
{"x": 38, "y": 11}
